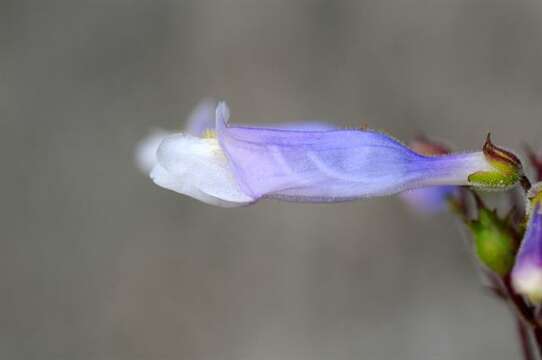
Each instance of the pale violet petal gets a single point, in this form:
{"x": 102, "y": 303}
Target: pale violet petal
{"x": 429, "y": 200}
{"x": 163, "y": 178}
{"x": 312, "y": 125}
{"x": 527, "y": 271}
{"x": 198, "y": 166}
{"x": 202, "y": 118}
{"x": 145, "y": 152}
{"x": 222, "y": 114}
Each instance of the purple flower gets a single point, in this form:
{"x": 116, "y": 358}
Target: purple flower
{"x": 527, "y": 271}
{"x": 237, "y": 165}
{"x": 429, "y": 200}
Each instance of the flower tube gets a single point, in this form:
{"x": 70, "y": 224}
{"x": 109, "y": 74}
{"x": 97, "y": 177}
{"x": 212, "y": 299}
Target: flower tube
{"x": 432, "y": 199}
{"x": 527, "y": 271}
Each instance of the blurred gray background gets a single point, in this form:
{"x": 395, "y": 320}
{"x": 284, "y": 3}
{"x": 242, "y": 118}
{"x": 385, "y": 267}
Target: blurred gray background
{"x": 98, "y": 263}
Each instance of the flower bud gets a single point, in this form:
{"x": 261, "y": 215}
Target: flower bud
{"x": 494, "y": 241}
{"x": 527, "y": 272}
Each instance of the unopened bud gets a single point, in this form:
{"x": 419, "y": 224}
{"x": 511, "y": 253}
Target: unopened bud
{"x": 527, "y": 272}
{"x": 494, "y": 242}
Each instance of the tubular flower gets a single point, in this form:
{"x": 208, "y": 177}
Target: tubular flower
{"x": 527, "y": 271}
{"x": 431, "y": 199}
{"x": 234, "y": 165}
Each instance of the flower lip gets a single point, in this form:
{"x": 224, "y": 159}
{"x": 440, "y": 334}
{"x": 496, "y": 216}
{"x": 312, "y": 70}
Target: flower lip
{"x": 197, "y": 167}
{"x": 145, "y": 152}
{"x": 199, "y": 120}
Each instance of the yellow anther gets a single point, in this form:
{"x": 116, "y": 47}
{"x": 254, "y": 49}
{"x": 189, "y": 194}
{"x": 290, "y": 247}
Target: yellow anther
{"x": 209, "y": 134}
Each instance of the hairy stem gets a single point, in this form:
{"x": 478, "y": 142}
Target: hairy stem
{"x": 525, "y": 341}
{"x": 538, "y": 339}
{"x": 525, "y": 183}
{"x": 523, "y": 311}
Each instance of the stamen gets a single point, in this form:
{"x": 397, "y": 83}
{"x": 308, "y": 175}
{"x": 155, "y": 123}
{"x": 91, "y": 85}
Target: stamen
{"x": 209, "y": 134}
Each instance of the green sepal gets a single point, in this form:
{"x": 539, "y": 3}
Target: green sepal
{"x": 493, "y": 179}
{"x": 506, "y": 168}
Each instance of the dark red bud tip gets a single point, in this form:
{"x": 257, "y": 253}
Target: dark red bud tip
{"x": 496, "y": 153}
